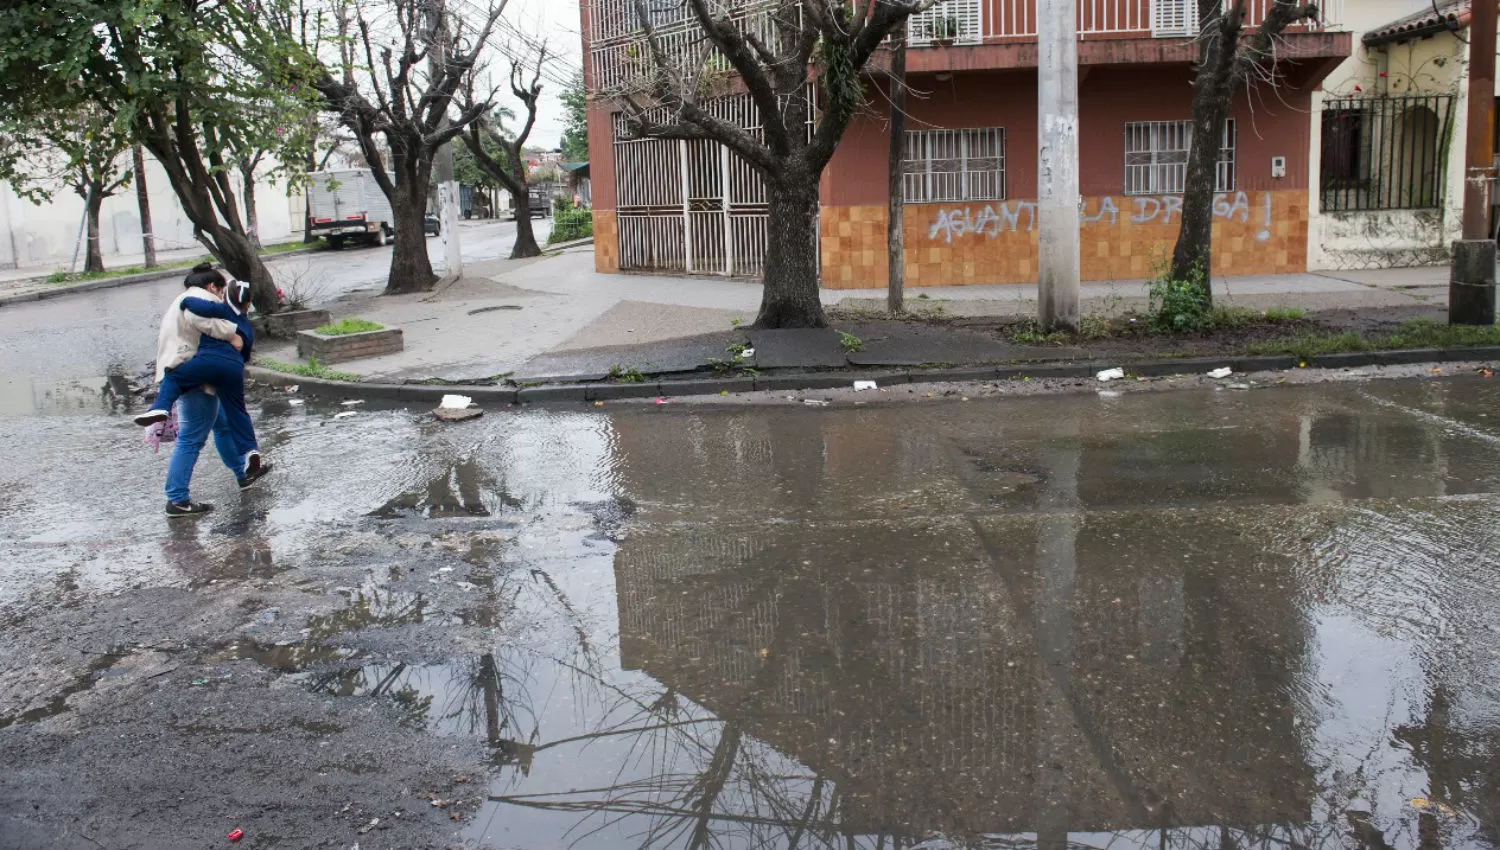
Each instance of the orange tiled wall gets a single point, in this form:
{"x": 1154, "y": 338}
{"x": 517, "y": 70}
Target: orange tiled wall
{"x": 995, "y": 242}
{"x": 606, "y": 242}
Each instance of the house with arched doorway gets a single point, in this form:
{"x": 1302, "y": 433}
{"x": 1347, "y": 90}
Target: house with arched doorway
{"x": 1388, "y": 132}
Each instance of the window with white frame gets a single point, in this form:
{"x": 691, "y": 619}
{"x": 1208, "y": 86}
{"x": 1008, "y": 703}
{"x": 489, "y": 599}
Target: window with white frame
{"x": 955, "y": 165}
{"x": 1156, "y": 156}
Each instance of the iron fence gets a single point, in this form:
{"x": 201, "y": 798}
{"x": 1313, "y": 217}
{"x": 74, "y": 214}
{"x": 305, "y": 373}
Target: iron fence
{"x": 1385, "y": 152}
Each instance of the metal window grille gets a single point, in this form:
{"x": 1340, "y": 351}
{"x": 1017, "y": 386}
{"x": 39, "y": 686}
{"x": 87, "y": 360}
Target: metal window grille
{"x": 961, "y": 21}
{"x": 1385, "y": 152}
{"x": 954, "y": 165}
{"x": 1156, "y": 157}
{"x": 1174, "y": 18}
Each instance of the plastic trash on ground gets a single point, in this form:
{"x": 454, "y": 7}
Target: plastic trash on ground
{"x": 345, "y": 415}
{"x": 352, "y": 402}
{"x": 456, "y": 402}
{"x": 1111, "y": 375}
{"x": 861, "y": 386}
{"x": 1221, "y": 373}
{"x": 747, "y": 353}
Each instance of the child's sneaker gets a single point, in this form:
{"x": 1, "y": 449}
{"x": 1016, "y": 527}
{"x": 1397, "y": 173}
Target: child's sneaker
{"x": 151, "y": 417}
{"x": 250, "y": 478}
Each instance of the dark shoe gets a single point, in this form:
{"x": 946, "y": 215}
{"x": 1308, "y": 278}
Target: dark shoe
{"x": 252, "y": 466}
{"x": 177, "y": 510}
{"x": 151, "y": 417}
{"x": 262, "y": 469}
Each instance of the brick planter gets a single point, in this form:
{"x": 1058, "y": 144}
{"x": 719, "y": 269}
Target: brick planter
{"x": 286, "y": 324}
{"x": 336, "y": 349}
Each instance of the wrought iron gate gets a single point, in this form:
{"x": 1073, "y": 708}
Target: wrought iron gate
{"x": 690, "y": 206}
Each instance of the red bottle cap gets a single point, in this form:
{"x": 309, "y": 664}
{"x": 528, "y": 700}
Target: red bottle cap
{"x": 236, "y": 835}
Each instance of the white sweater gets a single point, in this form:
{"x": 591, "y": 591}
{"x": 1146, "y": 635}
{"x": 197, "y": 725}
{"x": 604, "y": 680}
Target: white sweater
{"x": 177, "y": 341}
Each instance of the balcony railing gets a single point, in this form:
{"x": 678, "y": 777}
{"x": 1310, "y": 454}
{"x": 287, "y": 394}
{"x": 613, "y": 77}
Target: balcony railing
{"x": 618, "y": 54}
{"x": 964, "y": 21}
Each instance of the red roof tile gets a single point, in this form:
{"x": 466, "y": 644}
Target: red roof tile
{"x": 1445, "y": 15}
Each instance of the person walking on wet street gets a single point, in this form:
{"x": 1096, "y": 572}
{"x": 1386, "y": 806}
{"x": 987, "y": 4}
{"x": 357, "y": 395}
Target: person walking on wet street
{"x": 199, "y": 409}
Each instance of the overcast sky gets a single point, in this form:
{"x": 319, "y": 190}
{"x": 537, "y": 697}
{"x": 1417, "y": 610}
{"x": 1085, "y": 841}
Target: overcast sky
{"x": 556, "y": 21}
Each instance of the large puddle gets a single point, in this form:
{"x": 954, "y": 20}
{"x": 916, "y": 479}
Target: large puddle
{"x": 1192, "y": 620}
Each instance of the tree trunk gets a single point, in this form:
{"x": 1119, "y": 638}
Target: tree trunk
{"x": 895, "y": 298}
{"x": 242, "y": 261}
{"x": 411, "y": 269}
{"x": 1192, "y": 258}
{"x": 789, "y": 297}
{"x": 143, "y": 200}
{"x": 94, "y": 257}
{"x": 1213, "y": 88}
{"x": 525, "y": 236}
{"x": 229, "y": 246}
{"x": 252, "y": 219}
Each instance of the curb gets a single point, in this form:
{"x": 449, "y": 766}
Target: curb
{"x": 563, "y": 246}
{"x": 321, "y": 388}
{"x": 125, "y": 280}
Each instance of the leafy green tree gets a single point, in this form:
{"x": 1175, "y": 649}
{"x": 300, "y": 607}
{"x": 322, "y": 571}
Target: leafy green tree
{"x": 190, "y": 80}
{"x": 575, "y": 137}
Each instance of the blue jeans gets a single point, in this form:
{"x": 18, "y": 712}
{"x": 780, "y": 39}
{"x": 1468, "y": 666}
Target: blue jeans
{"x": 227, "y": 376}
{"x": 198, "y": 413}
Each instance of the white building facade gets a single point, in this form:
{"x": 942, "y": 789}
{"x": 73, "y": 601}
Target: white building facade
{"x": 1388, "y": 130}
{"x": 45, "y": 236}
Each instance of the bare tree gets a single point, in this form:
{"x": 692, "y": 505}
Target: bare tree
{"x": 500, "y": 155}
{"x": 418, "y": 59}
{"x": 813, "y": 42}
{"x": 1227, "y": 60}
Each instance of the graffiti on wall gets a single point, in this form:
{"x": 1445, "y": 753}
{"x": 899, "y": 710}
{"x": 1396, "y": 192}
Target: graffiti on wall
{"x": 1013, "y": 216}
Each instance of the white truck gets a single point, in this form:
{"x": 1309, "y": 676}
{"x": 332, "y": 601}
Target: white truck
{"x": 348, "y": 204}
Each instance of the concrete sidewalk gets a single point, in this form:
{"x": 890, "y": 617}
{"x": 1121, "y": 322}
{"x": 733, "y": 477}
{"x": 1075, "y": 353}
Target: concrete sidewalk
{"x": 555, "y": 317}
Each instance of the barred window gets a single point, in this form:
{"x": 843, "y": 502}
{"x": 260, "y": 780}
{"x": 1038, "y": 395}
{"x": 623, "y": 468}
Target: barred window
{"x": 955, "y": 165}
{"x": 1156, "y": 155}
{"x": 1385, "y": 152}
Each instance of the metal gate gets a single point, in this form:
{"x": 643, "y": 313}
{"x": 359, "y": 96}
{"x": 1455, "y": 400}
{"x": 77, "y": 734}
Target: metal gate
{"x": 690, "y": 206}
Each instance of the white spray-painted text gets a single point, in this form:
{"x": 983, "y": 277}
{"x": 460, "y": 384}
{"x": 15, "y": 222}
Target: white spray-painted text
{"x": 1012, "y": 216}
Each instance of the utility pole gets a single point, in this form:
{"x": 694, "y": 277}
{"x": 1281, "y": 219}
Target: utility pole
{"x": 442, "y": 170}
{"x": 437, "y": 33}
{"x": 1058, "y": 216}
{"x": 1471, "y": 282}
{"x": 895, "y": 299}
{"x": 143, "y": 200}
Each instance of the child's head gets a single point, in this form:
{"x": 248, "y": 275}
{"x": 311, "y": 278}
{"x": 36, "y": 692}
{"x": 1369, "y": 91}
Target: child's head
{"x": 238, "y": 295}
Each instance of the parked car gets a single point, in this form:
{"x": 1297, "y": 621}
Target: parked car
{"x": 431, "y": 225}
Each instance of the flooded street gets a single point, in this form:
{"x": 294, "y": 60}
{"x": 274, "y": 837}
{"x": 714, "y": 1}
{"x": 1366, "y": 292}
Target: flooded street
{"x": 1179, "y": 620}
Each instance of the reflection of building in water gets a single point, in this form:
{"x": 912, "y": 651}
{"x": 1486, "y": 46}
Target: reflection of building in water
{"x": 1350, "y": 456}
{"x": 900, "y": 657}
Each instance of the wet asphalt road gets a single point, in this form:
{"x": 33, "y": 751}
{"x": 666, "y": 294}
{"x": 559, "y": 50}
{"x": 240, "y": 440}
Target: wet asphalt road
{"x": 1190, "y": 619}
